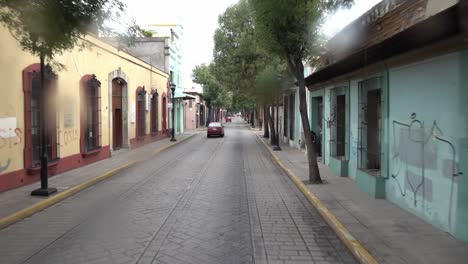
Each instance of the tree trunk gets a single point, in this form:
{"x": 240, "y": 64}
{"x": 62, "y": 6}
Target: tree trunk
{"x": 266, "y": 114}
{"x": 314, "y": 173}
{"x": 208, "y": 119}
{"x": 277, "y": 123}
{"x": 271, "y": 121}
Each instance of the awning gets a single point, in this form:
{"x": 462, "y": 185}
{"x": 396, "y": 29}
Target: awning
{"x": 436, "y": 28}
{"x": 183, "y": 96}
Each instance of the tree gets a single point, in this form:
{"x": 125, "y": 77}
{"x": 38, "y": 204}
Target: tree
{"x": 270, "y": 84}
{"x": 213, "y": 94}
{"x": 237, "y": 56}
{"x": 49, "y": 27}
{"x": 291, "y": 30}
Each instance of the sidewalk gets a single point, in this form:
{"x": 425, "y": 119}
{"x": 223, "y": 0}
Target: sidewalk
{"x": 391, "y": 234}
{"x": 17, "y": 199}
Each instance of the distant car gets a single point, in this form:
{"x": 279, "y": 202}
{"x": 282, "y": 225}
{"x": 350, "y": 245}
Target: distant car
{"x": 228, "y": 119}
{"x": 215, "y": 129}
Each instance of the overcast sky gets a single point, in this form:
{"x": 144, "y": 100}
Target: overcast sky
{"x": 200, "y": 19}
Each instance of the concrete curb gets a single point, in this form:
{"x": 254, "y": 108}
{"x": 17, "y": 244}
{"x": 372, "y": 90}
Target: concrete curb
{"x": 26, "y": 212}
{"x": 356, "y": 248}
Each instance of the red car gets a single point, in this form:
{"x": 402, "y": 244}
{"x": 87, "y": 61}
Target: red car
{"x": 215, "y": 129}
{"x": 228, "y": 119}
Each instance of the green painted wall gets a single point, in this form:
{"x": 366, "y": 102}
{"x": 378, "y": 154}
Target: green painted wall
{"x": 461, "y": 211}
{"x": 429, "y": 90}
{"x": 432, "y": 94}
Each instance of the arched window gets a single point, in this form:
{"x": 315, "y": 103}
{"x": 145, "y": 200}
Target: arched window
{"x": 90, "y": 114}
{"x": 39, "y": 103}
{"x": 140, "y": 112}
{"x": 154, "y": 112}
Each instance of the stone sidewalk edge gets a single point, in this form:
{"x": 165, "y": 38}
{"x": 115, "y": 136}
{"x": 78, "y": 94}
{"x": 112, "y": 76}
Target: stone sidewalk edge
{"x": 356, "y": 248}
{"x": 29, "y": 211}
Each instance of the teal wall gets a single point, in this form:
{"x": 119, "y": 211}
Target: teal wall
{"x": 430, "y": 90}
{"x": 435, "y": 93}
{"x": 461, "y": 218}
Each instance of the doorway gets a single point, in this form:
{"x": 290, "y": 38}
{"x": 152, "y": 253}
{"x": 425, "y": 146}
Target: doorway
{"x": 317, "y": 127}
{"x": 117, "y": 113}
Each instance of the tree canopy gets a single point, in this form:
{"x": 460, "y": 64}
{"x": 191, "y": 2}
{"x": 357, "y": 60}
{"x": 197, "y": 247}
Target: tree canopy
{"x": 47, "y": 27}
{"x": 292, "y": 31}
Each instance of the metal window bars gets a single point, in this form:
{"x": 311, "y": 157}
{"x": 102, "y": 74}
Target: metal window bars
{"x": 155, "y": 112}
{"x": 141, "y": 119}
{"x": 37, "y": 109}
{"x": 370, "y": 125}
{"x": 93, "y": 114}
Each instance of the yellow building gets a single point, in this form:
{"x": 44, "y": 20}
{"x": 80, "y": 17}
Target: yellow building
{"x": 103, "y": 100}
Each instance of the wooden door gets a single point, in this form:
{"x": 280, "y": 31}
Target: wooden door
{"x": 117, "y": 134}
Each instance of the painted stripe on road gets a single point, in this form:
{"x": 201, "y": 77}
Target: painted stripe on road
{"x": 356, "y": 248}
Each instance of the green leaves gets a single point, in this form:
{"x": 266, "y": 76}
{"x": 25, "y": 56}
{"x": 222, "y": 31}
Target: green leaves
{"x": 49, "y": 27}
{"x": 292, "y": 29}
{"x": 213, "y": 93}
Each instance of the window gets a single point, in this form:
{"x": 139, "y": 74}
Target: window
{"x": 190, "y": 103}
{"x": 91, "y": 111}
{"x": 140, "y": 112}
{"x": 40, "y": 111}
{"x": 369, "y": 147}
{"x": 154, "y": 112}
{"x": 338, "y": 122}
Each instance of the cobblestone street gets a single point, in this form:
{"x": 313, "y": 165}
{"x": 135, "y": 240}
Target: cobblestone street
{"x": 206, "y": 200}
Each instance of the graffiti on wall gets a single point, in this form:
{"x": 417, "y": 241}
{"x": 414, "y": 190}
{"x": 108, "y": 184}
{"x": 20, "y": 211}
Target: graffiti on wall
{"x": 10, "y": 137}
{"x": 417, "y": 146}
{"x": 70, "y": 136}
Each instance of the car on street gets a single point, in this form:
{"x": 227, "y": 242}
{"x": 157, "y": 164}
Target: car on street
{"x": 215, "y": 129}
{"x": 228, "y": 119}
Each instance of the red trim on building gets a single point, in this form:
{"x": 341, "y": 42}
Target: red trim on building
{"x": 154, "y": 112}
{"x": 21, "y": 177}
{"x": 27, "y": 89}
{"x": 83, "y": 93}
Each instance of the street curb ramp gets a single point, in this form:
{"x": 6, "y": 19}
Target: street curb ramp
{"x": 356, "y": 248}
{"x": 29, "y": 211}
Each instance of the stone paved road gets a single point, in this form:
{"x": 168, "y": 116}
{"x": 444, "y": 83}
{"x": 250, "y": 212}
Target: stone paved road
{"x": 218, "y": 200}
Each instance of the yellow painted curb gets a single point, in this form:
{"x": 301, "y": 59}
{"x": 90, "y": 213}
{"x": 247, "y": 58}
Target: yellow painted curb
{"x": 20, "y": 215}
{"x": 15, "y": 217}
{"x": 356, "y": 248}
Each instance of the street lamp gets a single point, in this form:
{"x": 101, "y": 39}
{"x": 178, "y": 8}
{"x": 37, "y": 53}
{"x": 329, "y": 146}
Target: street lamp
{"x": 173, "y": 86}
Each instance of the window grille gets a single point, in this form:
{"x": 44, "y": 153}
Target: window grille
{"x": 370, "y": 125}
{"x": 338, "y": 122}
{"x": 154, "y": 112}
{"x": 41, "y": 105}
{"x": 93, "y": 114}
{"x": 141, "y": 101}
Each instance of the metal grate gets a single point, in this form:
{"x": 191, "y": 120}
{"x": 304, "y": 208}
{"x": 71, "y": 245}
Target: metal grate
{"x": 38, "y": 109}
{"x": 155, "y": 112}
{"x": 370, "y": 124}
{"x": 141, "y": 113}
{"x": 337, "y": 122}
{"x": 93, "y": 114}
